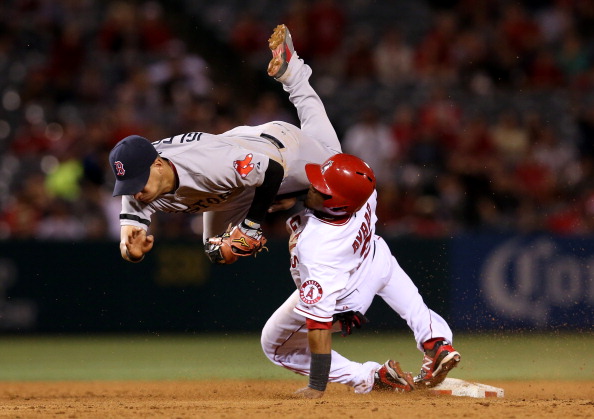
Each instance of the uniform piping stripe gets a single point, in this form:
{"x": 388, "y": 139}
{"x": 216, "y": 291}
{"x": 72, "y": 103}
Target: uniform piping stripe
{"x": 135, "y": 218}
{"x": 430, "y": 320}
{"x": 312, "y": 316}
{"x": 277, "y": 357}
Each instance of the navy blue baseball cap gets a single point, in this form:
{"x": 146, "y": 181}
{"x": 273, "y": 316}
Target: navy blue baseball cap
{"x": 131, "y": 161}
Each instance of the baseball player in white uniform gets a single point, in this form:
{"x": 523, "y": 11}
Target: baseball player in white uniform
{"x": 339, "y": 264}
{"x": 233, "y": 178}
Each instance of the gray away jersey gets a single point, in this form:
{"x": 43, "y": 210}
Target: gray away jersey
{"x": 221, "y": 172}
{"x": 216, "y": 173}
{"x": 213, "y": 174}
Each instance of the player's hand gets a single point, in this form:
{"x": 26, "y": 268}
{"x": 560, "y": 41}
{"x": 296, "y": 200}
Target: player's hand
{"x": 309, "y": 393}
{"x": 282, "y": 204}
{"x": 350, "y": 320}
{"x": 136, "y": 243}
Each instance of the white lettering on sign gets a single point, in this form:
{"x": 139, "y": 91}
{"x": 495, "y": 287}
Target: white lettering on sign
{"x": 525, "y": 281}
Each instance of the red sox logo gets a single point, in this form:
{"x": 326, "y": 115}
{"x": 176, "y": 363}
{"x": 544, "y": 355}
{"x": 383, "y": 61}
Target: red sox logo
{"x": 245, "y": 166}
{"x": 310, "y": 292}
{"x": 119, "y": 168}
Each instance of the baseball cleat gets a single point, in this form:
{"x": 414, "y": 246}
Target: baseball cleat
{"x": 390, "y": 377}
{"x": 281, "y": 45}
{"x": 439, "y": 359}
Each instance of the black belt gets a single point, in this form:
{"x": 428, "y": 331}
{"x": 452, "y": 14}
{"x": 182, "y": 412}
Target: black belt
{"x": 273, "y": 140}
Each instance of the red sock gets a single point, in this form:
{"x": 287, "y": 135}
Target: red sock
{"x": 428, "y": 345}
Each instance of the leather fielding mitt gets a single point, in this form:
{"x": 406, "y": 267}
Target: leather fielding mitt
{"x": 226, "y": 248}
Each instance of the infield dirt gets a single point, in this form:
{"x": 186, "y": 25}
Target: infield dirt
{"x": 273, "y": 399}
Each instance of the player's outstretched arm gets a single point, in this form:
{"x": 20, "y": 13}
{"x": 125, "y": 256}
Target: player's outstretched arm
{"x": 286, "y": 201}
{"x": 320, "y": 345}
{"x": 282, "y": 204}
{"x": 134, "y": 243}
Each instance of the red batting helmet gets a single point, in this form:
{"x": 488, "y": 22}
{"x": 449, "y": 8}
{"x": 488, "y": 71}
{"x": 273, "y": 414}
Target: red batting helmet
{"x": 347, "y": 179}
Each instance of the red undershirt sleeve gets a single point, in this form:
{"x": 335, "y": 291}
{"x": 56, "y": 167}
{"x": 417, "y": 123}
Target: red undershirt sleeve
{"x": 313, "y": 324}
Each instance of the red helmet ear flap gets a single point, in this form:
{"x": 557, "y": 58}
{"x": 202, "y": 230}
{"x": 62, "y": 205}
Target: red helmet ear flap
{"x": 346, "y": 178}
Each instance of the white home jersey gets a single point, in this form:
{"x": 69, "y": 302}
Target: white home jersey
{"x": 330, "y": 259}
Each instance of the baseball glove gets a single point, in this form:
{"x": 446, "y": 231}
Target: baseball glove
{"x": 227, "y": 247}
{"x": 349, "y": 320}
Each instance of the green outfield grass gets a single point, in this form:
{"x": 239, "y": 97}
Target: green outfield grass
{"x": 189, "y": 357}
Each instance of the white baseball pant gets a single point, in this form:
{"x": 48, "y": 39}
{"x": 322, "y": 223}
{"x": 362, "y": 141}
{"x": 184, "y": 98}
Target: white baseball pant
{"x": 284, "y": 337}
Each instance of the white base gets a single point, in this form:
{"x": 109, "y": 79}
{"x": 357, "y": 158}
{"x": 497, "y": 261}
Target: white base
{"x": 456, "y": 387}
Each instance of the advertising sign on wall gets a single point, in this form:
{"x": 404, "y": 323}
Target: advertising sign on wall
{"x": 536, "y": 282}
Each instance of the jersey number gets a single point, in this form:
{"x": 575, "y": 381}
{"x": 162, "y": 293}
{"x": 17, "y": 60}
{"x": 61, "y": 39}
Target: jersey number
{"x": 188, "y": 138}
{"x": 363, "y": 240}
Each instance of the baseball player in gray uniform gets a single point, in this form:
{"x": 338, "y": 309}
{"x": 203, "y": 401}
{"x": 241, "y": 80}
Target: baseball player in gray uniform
{"x": 233, "y": 178}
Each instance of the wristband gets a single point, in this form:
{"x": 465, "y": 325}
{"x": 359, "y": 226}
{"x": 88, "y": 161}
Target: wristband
{"x": 133, "y": 260}
{"x": 251, "y": 224}
{"x": 250, "y": 228}
{"x": 319, "y": 370}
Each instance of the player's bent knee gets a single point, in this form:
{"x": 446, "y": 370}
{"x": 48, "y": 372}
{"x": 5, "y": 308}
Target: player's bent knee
{"x": 267, "y": 345}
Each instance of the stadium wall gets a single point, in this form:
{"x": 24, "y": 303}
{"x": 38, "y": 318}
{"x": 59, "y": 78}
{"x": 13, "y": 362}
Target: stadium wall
{"x": 483, "y": 282}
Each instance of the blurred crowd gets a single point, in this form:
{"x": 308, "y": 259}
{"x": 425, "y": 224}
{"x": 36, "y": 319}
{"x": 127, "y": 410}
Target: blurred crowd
{"x": 427, "y": 105}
